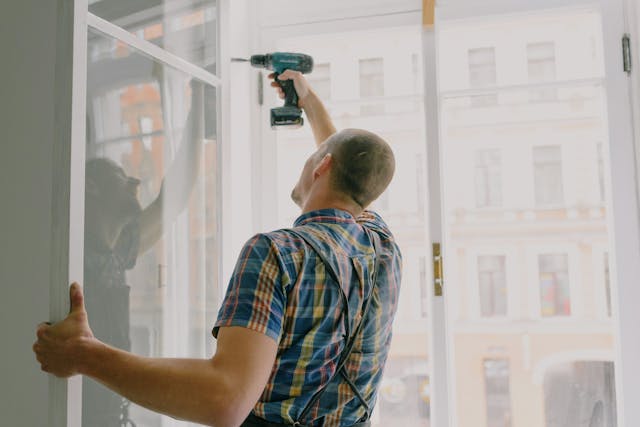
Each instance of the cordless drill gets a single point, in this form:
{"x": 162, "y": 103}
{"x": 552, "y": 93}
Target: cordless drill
{"x": 288, "y": 115}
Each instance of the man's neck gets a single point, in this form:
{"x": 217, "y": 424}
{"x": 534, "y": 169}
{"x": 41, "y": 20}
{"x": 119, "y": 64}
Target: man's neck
{"x": 315, "y": 205}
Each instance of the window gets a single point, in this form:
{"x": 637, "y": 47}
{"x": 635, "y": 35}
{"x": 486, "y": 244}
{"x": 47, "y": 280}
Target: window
{"x": 554, "y": 285}
{"x": 488, "y": 179}
{"x": 541, "y": 59}
{"x": 371, "y": 84}
{"x": 320, "y": 80}
{"x": 492, "y": 285}
{"x": 482, "y": 74}
{"x": 498, "y": 400}
{"x": 547, "y": 169}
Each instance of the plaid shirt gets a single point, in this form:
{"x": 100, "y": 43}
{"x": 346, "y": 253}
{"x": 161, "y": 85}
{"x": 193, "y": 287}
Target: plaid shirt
{"x": 280, "y": 288}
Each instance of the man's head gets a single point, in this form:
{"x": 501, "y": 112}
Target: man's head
{"x": 353, "y": 165}
{"x": 110, "y": 192}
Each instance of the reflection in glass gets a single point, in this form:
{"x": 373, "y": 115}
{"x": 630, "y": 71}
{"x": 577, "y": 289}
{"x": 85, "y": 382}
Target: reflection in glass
{"x": 150, "y": 267}
{"x": 186, "y": 28}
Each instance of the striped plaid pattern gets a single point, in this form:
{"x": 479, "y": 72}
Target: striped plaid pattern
{"x": 280, "y": 288}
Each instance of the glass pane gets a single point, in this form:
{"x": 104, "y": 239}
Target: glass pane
{"x": 525, "y": 221}
{"x": 151, "y": 243}
{"x": 359, "y": 99}
{"x": 187, "y": 28}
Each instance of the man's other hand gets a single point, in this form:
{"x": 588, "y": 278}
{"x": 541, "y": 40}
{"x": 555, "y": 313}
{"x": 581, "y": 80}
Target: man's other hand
{"x": 58, "y": 346}
{"x": 300, "y": 83}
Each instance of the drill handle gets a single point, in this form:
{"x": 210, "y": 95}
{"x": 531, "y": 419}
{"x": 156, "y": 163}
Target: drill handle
{"x": 290, "y": 94}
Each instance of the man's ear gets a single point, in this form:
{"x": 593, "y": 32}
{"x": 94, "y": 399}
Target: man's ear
{"x": 324, "y": 166}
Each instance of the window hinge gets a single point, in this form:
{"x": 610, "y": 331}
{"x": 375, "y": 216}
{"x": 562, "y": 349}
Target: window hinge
{"x": 438, "y": 281}
{"x": 626, "y": 53}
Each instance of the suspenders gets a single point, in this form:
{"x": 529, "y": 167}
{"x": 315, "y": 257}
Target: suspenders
{"x": 351, "y": 338}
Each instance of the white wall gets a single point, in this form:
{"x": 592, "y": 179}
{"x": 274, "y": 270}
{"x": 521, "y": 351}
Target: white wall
{"x": 27, "y": 43}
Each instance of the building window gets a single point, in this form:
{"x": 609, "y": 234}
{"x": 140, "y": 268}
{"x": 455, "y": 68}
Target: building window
{"x": 541, "y": 58}
{"x": 371, "y": 84}
{"x": 547, "y": 169}
{"x": 482, "y": 74}
{"x": 498, "y": 399}
{"x": 488, "y": 179}
{"x": 554, "y": 285}
{"x": 607, "y": 283}
{"x": 320, "y": 80}
{"x": 493, "y": 285}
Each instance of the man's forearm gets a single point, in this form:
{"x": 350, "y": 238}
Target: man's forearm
{"x": 189, "y": 389}
{"x": 319, "y": 118}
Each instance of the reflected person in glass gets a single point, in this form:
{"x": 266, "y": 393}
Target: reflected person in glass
{"x": 117, "y": 230}
{"x": 305, "y": 328}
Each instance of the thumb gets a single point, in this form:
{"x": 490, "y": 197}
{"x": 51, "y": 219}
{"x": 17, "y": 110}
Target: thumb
{"x": 76, "y": 299}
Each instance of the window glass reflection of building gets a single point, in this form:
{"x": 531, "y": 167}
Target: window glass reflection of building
{"x": 488, "y": 178}
{"x": 547, "y": 169}
{"x": 541, "y": 61}
{"x": 498, "y": 398}
{"x": 371, "y": 84}
{"x": 320, "y": 80}
{"x": 492, "y": 285}
{"x": 482, "y": 74}
{"x": 554, "y": 285}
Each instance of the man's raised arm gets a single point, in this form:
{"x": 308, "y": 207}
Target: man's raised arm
{"x": 321, "y": 123}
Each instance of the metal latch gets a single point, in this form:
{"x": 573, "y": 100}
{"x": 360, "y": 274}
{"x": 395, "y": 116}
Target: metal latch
{"x": 626, "y": 53}
{"x": 438, "y": 281}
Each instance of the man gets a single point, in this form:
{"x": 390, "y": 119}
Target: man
{"x": 304, "y": 331}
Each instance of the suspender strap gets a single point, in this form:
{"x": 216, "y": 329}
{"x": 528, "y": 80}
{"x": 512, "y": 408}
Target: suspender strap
{"x": 351, "y": 338}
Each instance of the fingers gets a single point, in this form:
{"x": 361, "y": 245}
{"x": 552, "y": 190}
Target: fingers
{"x": 289, "y": 75}
{"x": 76, "y": 298}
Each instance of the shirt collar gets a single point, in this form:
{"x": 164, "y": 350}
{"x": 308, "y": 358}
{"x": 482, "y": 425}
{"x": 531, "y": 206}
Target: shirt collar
{"x": 326, "y": 216}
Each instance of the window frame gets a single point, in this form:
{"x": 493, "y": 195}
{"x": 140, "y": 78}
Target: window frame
{"x": 65, "y": 396}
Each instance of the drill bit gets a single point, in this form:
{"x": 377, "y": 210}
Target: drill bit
{"x": 239, "y": 60}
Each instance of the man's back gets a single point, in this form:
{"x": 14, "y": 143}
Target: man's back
{"x": 281, "y": 288}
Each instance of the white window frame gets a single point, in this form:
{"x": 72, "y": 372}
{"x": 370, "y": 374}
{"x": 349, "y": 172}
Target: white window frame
{"x": 65, "y": 396}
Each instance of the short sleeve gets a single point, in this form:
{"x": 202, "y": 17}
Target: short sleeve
{"x": 255, "y": 298}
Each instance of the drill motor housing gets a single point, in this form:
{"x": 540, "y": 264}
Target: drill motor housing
{"x": 288, "y": 115}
